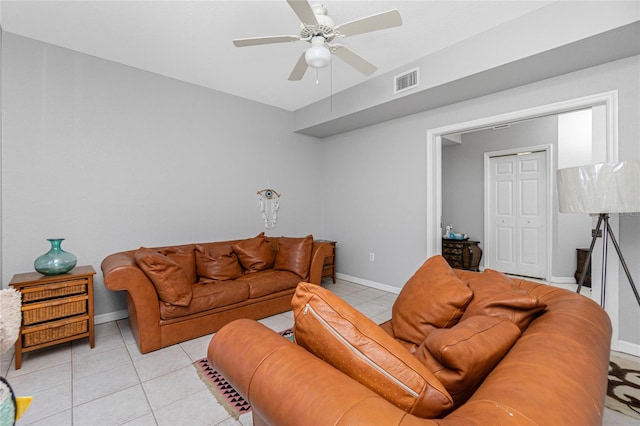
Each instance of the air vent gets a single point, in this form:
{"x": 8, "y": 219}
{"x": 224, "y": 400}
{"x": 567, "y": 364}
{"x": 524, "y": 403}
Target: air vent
{"x": 405, "y": 81}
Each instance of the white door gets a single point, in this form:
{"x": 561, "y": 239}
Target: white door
{"x": 517, "y": 234}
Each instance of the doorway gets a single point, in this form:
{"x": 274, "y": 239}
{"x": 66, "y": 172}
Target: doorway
{"x": 605, "y": 149}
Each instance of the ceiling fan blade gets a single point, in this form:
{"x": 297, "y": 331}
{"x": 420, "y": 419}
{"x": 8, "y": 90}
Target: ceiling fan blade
{"x": 242, "y": 42}
{"x": 299, "y": 69}
{"x": 302, "y": 8}
{"x": 353, "y": 59}
{"x": 381, "y": 21}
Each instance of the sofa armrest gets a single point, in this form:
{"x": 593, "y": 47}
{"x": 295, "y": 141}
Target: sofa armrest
{"x": 321, "y": 250}
{"x": 286, "y": 385}
{"x": 121, "y": 272}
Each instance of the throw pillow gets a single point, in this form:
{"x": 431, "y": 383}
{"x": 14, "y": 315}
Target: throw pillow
{"x": 434, "y": 297}
{"x": 335, "y": 332}
{"x": 495, "y": 294}
{"x": 217, "y": 263}
{"x": 462, "y": 356}
{"x": 294, "y": 255}
{"x": 184, "y": 257}
{"x": 255, "y": 254}
{"x": 166, "y": 275}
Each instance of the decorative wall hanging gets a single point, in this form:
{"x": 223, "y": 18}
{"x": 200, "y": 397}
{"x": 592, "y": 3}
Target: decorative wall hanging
{"x": 269, "y": 203}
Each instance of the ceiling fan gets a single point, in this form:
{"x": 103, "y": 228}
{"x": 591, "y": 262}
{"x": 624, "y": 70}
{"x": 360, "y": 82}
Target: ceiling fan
{"x": 318, "y": 29}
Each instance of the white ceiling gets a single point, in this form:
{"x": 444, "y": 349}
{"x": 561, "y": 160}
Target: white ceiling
{"x": 191, "y": 40}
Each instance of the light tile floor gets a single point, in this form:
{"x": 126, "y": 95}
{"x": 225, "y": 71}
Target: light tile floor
{"x": 113, "y": 384}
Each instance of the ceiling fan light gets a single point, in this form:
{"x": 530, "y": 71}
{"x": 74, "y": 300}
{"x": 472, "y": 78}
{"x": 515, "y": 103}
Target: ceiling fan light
{"x": 317, "y": 56}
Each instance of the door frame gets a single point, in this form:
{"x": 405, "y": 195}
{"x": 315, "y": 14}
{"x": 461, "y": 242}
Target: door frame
{"x": 434, "y": 136}
{"x": 548, "y": 150}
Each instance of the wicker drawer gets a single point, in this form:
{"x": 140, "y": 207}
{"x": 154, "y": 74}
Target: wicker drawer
{"x": 53, "y": 309}
{"x": 56, "y": 289}
{"x": 449, "y": 252}
{"x": 56, "y": 330}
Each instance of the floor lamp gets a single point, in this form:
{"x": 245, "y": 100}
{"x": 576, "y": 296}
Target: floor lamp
{"x": 601, "y": 189}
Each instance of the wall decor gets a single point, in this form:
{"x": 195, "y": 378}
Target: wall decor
{"x": 269, "y": 203}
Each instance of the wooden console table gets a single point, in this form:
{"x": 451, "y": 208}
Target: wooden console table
{"x": 462, "y": 254}
{"x": 329, "y": 267}
{"x": 55, "y": 309}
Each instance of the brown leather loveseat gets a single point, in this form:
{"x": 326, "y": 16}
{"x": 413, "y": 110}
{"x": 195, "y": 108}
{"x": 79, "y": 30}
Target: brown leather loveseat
{"x": 547, "y": 348}
{"x": 177, "y": 293}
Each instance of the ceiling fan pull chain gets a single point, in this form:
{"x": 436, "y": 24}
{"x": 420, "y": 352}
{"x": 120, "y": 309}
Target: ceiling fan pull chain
{"x": 317, "y": 78}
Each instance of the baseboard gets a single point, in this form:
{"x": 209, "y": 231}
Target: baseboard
{"x": 372, "y": 284}
{"x": 111, "y": 316}
{"x": 628, "y": 348}
{"x": 563, "y": 280}
{"x": 396, "y": 290}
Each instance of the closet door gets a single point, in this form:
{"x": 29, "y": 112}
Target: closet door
{"x": 517, "y": 214}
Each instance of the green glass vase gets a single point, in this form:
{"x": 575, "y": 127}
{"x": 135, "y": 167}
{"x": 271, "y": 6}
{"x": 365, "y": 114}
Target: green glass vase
{"x": 55, "y": 261}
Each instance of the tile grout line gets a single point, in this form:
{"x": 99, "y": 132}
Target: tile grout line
{"x": 144, "y": 391}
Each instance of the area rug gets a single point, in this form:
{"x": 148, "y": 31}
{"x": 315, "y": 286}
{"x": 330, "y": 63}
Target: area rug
{"x": 222, "y": 390}
{"x": 623, "y": 391}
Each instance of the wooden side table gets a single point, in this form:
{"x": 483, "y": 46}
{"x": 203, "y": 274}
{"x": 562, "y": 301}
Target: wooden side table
{"x": 55, "y": 309}
{"x": 329, "y": 267}
{"x": 462, "y": 254}
{"x": 581, "y": 255}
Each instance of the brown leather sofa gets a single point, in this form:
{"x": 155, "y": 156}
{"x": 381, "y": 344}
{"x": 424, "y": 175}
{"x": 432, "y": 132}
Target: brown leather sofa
{"x": 206, "y": 304}
{"x": 554, "y": 374}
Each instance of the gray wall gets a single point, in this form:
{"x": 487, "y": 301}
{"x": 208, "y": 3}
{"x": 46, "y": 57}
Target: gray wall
{"x": 374, "y": 193}
{"x": 112, "y": 158}
{"x": 1, "y": 185}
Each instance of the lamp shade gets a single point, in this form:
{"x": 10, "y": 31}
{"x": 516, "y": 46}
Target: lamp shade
{"x": 600, "y": 188}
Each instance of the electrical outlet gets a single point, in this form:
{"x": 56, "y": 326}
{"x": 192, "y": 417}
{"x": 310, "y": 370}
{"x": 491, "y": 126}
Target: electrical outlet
{"x": 372, "y": 257}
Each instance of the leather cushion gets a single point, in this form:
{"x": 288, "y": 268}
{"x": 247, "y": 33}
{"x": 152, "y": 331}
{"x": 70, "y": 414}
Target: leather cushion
{"x": 462, "y": 356}
{"x": 340, "y": 335}
{"x": 208, "y": 295}
{"x": 495, "y": 294}
{"x": 294, "y": 255}
{"x": 434, "y": 297}
{"x": 217, "y": 263}
{"x": 387, "y": 326}
{"x": 255, "y": 254}
{"x": 183, "y": 256}
{"x": 167, "y": 276}
{"x": 268, "y": 282}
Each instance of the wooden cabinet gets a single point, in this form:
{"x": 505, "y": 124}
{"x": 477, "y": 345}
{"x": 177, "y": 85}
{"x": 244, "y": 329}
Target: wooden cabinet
{"x": 581, "y": 255}
{"x": 462, "y": 254}
{"x": 329, "y": 268}
{"x": 55, "y": 309}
